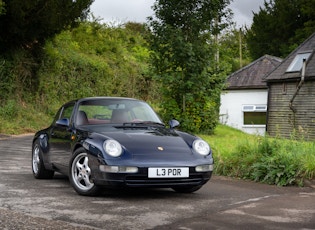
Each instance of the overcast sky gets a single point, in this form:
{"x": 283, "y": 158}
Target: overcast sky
{"x": 120, "y": 11}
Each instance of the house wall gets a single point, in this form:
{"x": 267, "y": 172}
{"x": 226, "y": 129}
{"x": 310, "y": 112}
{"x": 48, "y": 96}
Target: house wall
{"x": 282, "y": 121}
{"x": 232, "y": 102}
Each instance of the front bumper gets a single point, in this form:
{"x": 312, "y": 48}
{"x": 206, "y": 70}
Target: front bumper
{"x": 141, "y": 179}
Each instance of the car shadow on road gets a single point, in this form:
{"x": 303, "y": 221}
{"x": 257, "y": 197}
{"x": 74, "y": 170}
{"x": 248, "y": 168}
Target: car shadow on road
{"x": 61, "y": 181}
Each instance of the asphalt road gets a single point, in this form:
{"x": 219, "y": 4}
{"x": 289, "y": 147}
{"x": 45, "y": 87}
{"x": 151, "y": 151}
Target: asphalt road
{"x": 223, "y": 203}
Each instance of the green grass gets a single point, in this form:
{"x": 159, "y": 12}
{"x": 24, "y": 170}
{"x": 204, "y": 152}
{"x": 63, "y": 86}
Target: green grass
{"x": 264, "y": 159}
{"x": 20, "y": 118}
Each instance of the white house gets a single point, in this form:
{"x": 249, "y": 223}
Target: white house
{"x": 244, "y": 101}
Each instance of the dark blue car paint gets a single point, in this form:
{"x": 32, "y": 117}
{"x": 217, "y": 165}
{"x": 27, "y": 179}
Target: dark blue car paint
{"x": 141, "y": 148}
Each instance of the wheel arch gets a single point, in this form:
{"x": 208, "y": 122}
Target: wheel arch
{"x": 41, "y": 165}
{"x": 42, "y": 139}
{"x": 76, "y": 146}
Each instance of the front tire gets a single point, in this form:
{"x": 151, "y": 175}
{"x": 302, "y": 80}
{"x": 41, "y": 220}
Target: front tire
{"x": 38, "y": 167}
{"x": 80, "y": 174}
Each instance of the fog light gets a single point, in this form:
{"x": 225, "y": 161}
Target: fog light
{"x": 204, "y": 168}
{"x": 118, "y": 169}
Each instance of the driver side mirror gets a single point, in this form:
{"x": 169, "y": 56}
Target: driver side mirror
{"x": 63, "y": 122}
{"x": 173, "y": 124}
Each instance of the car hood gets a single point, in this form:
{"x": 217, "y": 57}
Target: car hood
{"x": 152, "y": 147}
{"x": 140, "y": 142}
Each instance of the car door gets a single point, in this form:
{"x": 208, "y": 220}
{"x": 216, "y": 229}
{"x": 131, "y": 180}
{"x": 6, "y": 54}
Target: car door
{"x": 60, "y": 138}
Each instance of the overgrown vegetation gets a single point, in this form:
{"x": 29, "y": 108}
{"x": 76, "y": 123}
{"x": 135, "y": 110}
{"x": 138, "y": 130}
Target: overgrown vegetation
{"x": 90, "y": 60}
{"x": 264, "y": 159}
{"x": 95, "y": 59}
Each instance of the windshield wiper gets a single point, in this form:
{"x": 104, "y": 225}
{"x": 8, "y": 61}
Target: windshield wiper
{"x": 140, "y": 124}
{"x": 149, "y": 123}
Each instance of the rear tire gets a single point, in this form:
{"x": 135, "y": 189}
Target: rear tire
{"x": 38, "y": 167}
{"x": 80, "y": 174}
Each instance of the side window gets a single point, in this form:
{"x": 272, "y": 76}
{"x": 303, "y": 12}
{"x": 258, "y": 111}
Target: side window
{"x": 67, "y": 111}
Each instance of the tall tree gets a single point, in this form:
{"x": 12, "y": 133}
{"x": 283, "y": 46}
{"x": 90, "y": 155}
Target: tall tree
{"x": 1, "y": 7}
{"x": 308, "y": 17}
{"x": 280, "y": 26}
{"x": 184, "y": 48}
{"x": 27, "y": 23}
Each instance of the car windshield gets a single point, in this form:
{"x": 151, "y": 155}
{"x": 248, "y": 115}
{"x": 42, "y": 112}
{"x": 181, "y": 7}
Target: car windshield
{"x": 115, "y": 111}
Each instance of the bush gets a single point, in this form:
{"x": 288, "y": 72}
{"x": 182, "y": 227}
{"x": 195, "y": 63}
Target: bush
{"x": 269, "y": 160}
{"x": 9, "y": 110}
{"x": 95, "y": 60}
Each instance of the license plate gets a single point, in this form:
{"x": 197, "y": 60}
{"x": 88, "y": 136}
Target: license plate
{"x": 168, "y": 172}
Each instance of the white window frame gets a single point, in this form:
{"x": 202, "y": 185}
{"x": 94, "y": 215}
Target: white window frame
{"x": 254, "y": 108}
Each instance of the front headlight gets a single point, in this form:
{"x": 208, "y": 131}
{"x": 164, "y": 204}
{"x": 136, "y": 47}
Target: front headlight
{"x": 201, "y": 147}
{"x": 112, "y": 148}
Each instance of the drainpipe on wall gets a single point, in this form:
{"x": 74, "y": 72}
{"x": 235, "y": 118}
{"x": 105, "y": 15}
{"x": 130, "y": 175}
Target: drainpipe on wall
{"x": 299, "y": 86}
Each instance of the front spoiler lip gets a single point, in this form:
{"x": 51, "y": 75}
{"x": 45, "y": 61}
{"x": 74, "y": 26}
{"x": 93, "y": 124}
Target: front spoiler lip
{"x": 141, "y": 180}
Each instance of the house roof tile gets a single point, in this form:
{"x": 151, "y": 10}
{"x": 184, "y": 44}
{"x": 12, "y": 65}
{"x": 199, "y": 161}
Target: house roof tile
{"x": 252, "y": 76}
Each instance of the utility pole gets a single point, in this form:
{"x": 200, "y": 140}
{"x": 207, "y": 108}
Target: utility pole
{"x": 240, "y": 48}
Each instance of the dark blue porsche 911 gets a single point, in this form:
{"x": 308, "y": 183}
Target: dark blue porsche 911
{"x": 104, "y": 142}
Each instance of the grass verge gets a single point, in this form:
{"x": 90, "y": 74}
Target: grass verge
{"x": 264, "y": 159}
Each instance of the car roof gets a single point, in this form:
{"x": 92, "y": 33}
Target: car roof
{"x": 100, "y": 98}
{"x": 104, "y": 97}
{"x": 79, "y": 100}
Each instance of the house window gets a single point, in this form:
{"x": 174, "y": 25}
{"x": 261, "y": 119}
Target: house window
{"x": 297, "y": 63}
{"x": 255, "y": 114}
